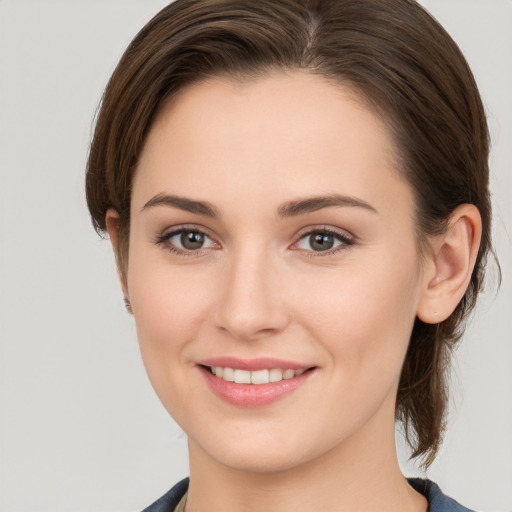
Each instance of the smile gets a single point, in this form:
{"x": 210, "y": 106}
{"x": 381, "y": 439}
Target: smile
{"x": 254, "y": 382}
{"x": 264, "y": 376}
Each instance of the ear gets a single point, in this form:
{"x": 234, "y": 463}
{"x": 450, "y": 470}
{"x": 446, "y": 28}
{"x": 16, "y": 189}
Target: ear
{"x": 112, "y": 224}
{"x": 450, "y": 265}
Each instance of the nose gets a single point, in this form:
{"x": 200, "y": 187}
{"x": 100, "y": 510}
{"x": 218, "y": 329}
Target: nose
{"x": 251, "y": 303}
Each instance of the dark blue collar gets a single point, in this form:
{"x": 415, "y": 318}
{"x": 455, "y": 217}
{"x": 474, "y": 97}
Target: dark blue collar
{"x": 438, "y": 502}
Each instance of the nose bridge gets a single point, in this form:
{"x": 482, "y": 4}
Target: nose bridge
{"x": 251, "y": 302}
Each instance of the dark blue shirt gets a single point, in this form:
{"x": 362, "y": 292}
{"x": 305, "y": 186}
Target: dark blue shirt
{"x": 437, "y": 501}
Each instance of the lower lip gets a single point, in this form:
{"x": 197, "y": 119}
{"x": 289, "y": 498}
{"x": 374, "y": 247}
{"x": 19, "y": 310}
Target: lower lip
{"x": 253, "y": 395}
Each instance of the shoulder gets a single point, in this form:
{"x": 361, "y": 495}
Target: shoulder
{"x": 168, "y": 502}
{"x": 438, "y": 502}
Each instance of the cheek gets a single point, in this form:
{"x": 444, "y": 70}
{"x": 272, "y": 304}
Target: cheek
{"x": 365, "y": 312}
{"x": 170, "y": 306}
{"x": 169, "y": 310}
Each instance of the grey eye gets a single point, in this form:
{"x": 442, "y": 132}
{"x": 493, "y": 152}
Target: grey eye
{"x": 188, "y": 240}
{"x": 321, "y": 241}
{"x": 192, "y": 240}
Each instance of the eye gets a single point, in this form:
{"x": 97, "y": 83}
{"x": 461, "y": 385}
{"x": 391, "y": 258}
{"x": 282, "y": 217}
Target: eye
{"x": 323, "y": 240}
{"x": 186, "y": 240}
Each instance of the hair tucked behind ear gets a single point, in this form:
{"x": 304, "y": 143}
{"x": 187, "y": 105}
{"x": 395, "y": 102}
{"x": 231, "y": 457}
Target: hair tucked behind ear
{"x": 394, "y": 54}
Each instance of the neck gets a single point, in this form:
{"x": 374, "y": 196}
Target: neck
{"x": 361, "y": 473}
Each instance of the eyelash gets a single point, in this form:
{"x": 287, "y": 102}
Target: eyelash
{"x": 164, "y": 241}
{"x": 345, "y": 241}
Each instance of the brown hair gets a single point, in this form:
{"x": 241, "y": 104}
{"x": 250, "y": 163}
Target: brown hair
{"x": 394, "y": 54}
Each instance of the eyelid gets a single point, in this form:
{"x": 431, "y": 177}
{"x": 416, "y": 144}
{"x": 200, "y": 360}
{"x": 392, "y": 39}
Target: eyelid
{"x": 313, "y": 228}
{"x": 164, "y": 237}
{"x": 347, "y": 239}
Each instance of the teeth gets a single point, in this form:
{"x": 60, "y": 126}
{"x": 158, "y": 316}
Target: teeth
{"x": 259, "y": 377}
{"x": 275, "y": 375}
{"x": 242, "y": 377}
{"x": 228, "y": 374}
{"x": 256, "y": 376}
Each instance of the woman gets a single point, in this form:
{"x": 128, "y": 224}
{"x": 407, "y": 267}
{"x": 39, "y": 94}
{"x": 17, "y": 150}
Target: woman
{"x": 297, "y": 196}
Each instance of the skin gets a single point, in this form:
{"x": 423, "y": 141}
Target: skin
{"x": 257, "y": 288}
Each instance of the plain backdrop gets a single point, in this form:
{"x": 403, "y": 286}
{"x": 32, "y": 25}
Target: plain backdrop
{"x": 80, "y": 427}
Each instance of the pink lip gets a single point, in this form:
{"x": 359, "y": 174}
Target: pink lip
{"x": 252, "y": 395}
{"x": 261, "y": 363}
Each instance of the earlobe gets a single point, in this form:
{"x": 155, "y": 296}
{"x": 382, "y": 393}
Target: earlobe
{"x": 112, "y": 224}
{"x": 452, "y": 261}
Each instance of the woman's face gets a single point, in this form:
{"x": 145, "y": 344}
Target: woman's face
{"x": 270, "y": 231}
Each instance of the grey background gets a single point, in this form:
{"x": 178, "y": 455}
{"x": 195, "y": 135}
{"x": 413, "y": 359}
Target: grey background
{"x": 80, "y": 427}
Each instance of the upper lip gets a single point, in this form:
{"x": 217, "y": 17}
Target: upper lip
{"x": 261, "y": 363}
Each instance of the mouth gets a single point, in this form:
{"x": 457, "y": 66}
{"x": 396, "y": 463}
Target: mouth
{"x": 258, "y": 377}
{"x": 254, "y": 383}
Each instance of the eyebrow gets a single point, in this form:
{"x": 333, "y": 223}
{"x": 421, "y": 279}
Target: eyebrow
{"x": 182, "y": 203}
{"x": 313, "y": 204}
{"x": 289, "y": 209}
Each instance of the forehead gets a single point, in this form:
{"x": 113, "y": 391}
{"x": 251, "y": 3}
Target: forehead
{"x": 286, "y": 133}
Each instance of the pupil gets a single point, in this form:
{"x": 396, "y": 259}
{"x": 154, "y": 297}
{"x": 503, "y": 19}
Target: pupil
{"x": 192, "y": 240}
{"x": 321, "y": 242}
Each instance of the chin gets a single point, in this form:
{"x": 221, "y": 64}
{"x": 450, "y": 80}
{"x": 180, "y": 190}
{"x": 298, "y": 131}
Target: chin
{"x": 268, "y": 450}
{"x": 255, "y": 459}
